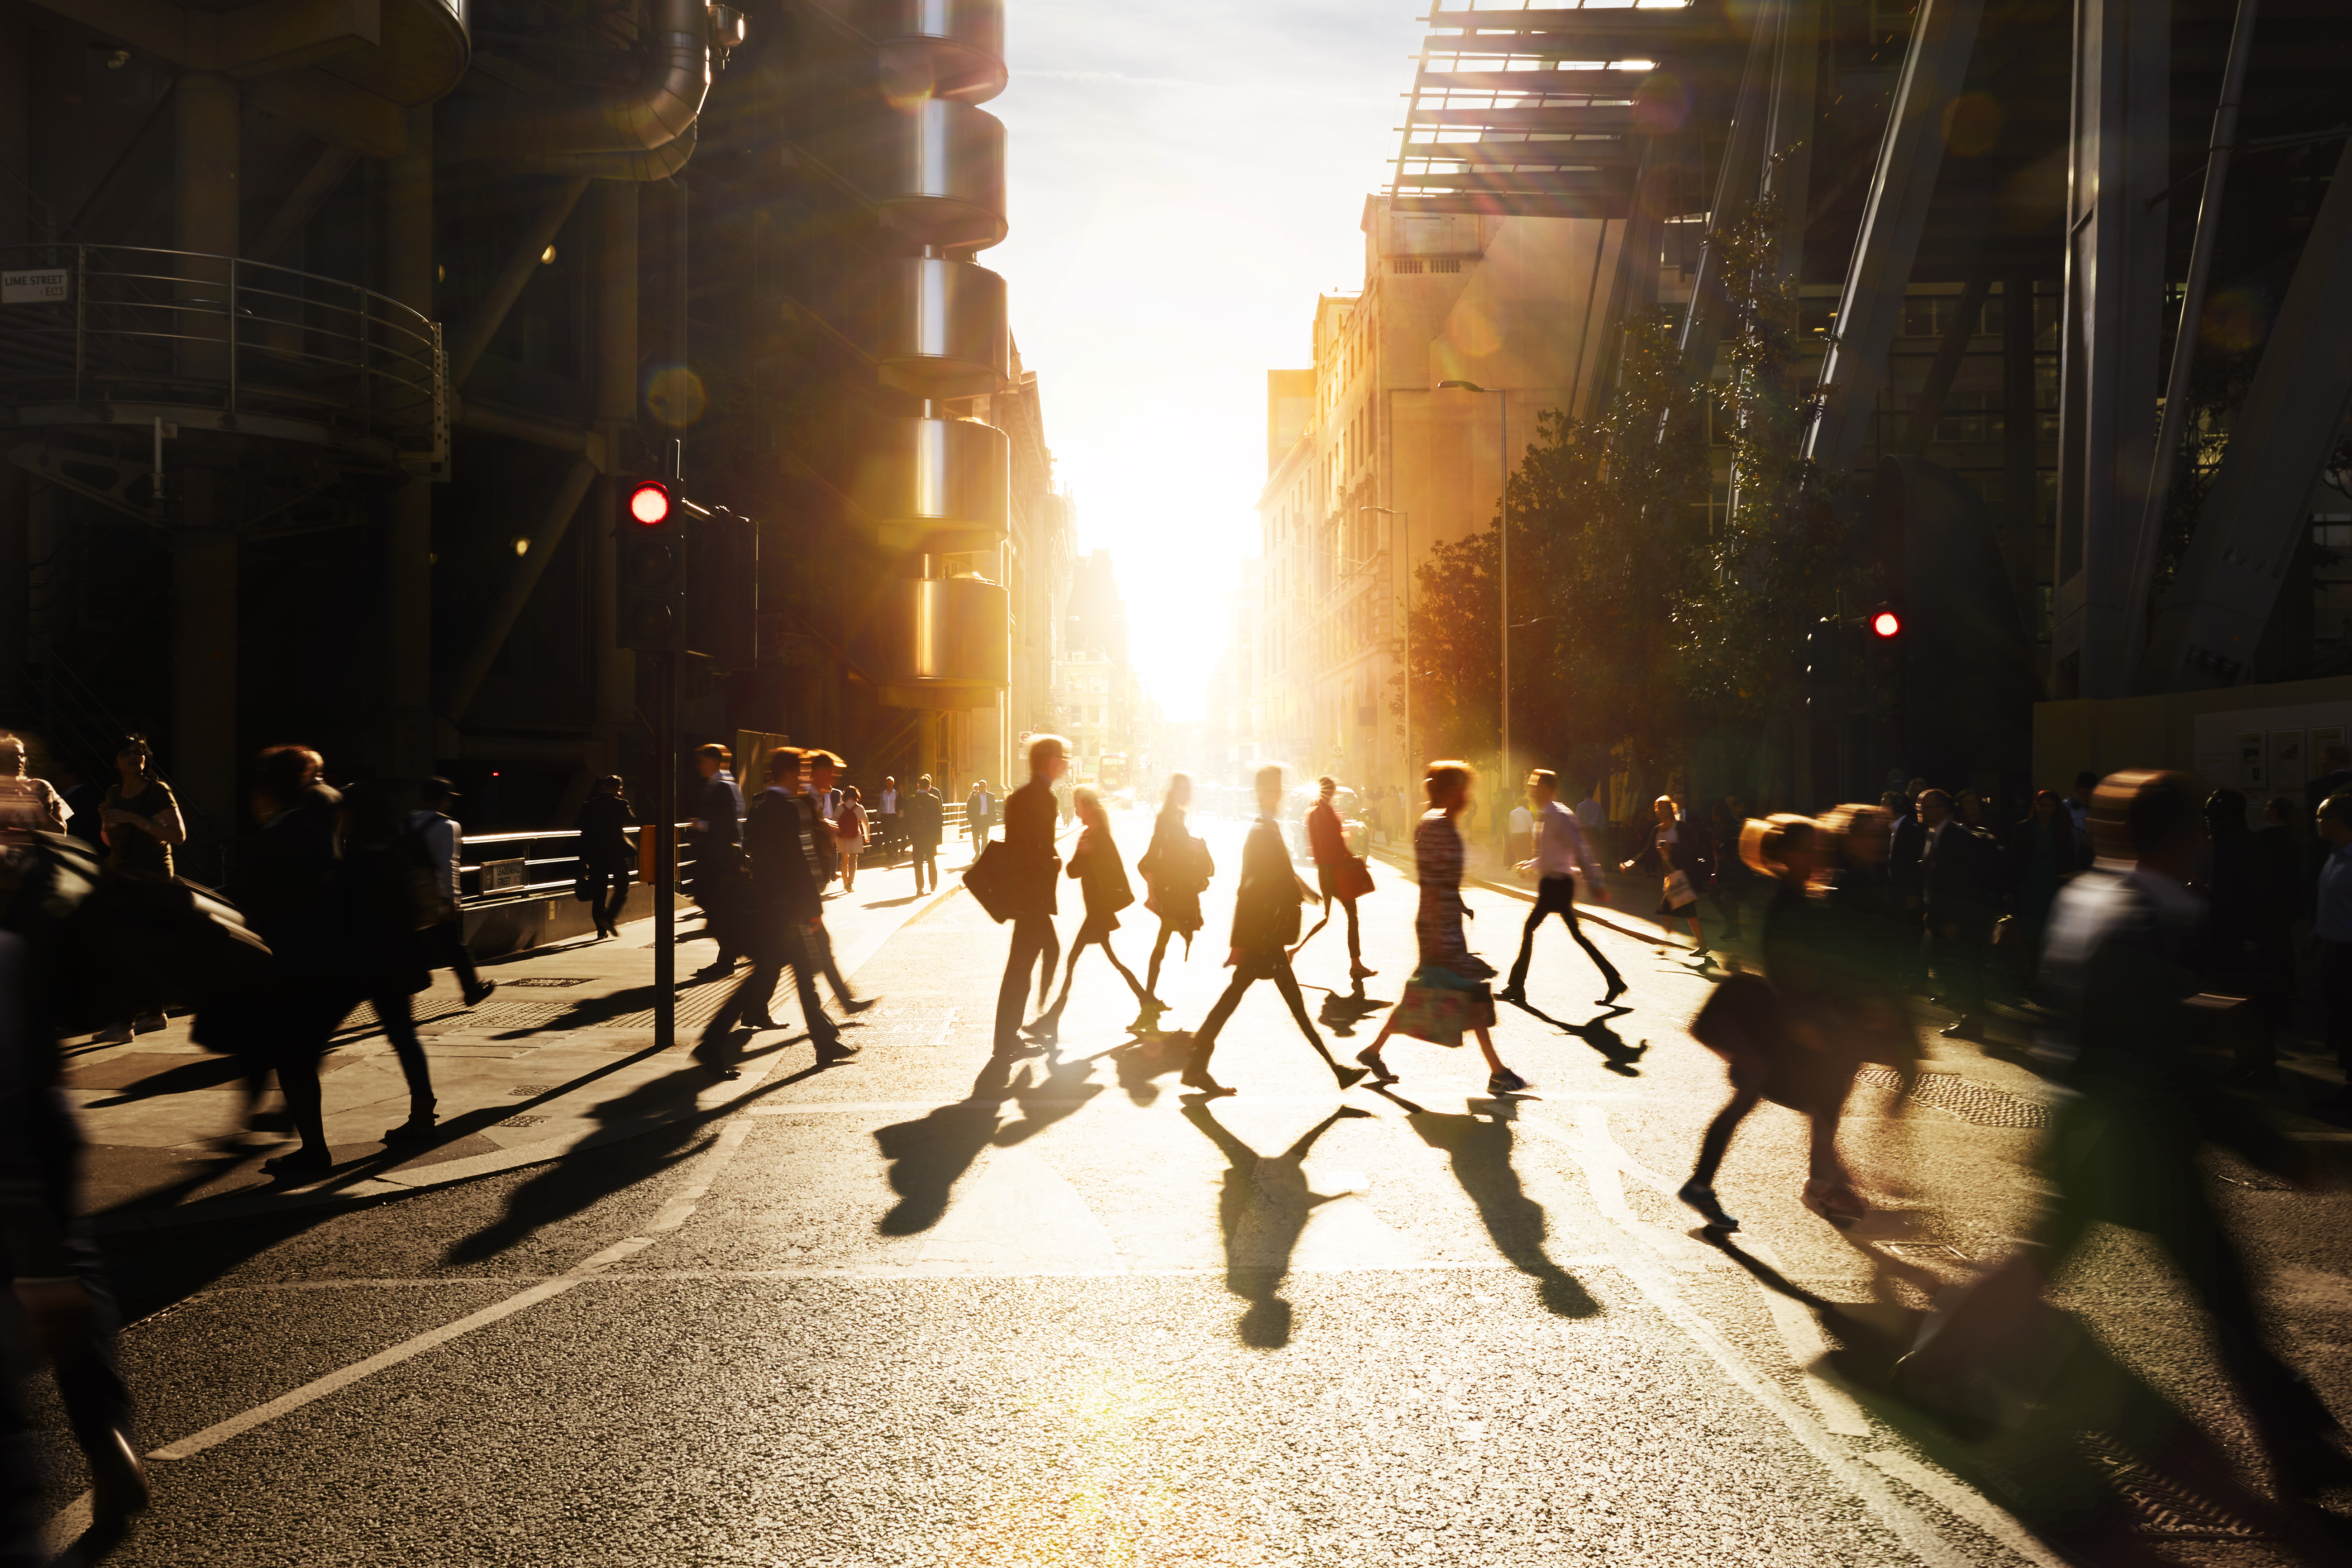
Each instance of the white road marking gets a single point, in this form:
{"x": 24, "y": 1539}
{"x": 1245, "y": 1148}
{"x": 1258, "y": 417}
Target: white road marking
{"x": 1798, "y": 1329}
{"x": 1596, "y": 1149}
{"x": 1967, "y": 1503}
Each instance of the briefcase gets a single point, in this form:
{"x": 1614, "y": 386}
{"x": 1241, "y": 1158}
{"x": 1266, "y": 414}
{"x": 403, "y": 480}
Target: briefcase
{"x": 994, "y": 882}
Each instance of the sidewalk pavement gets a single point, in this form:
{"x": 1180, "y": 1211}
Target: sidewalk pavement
{"x": 562, "y": 1056}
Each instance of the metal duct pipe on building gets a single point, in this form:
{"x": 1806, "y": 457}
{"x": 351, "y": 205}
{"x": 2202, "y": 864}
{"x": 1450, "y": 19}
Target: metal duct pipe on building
{"x": 936, "y": 487}
{"x": 661, "y": 107}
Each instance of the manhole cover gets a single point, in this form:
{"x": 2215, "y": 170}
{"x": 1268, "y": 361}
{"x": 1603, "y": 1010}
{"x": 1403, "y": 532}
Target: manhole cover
{"x": 521, "y": 1089}
{"x": 2165, "y": 1507}
{"x": 550, "y": 981}
{"x": 522, "y": 1122}
{"x": 1969, "y": 1101}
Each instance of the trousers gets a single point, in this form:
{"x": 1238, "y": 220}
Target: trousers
{"x": 1033, "y": 940}
{"x": 1556, "y": 896}
{"x": 444, "y": 947}
{"x": 1265, "y": 963}
{"x": 778, "y": 943}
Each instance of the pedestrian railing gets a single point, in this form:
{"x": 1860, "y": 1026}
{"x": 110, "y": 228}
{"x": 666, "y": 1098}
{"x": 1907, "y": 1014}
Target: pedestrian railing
{"x": 86, "y": 329}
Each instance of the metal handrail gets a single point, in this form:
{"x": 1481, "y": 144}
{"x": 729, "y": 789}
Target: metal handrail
{"x": 193, "y": 330}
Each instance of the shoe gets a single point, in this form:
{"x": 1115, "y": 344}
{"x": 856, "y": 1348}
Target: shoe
{"x": 1042, "y": 1032}
{"x": 1349, "y": 1077}
{"x": 1839, "y": 1204}
{"x": 147, "y": 1023}
{"x": 119, "y": 1035}
{"x": 1379, "y": 1068}
{"x": 298, "y": 1166}
{"x": 761, "y": 1022}
{"x": 713, "y": 971}
{"x": 863, "y": 1003}
{"x": 1616, "y": 989}
{"x": 1198, "y": 1078}
{"x": 1963, "y": 1029}
{"x": 418, "y": 1129}
{"x": 713, "y": 1058}
{"x": 1506, "y": 1082}
{"x": 119, "y": 1491}
{"x": 477, "y": 993}
{"x": 1358, "y": 971}
{"x": 1512, "y": 993}
{"x": 835, "y": 1049}
{"x": 1703, "y": 1199}
{"x": 1147, "y": 1020}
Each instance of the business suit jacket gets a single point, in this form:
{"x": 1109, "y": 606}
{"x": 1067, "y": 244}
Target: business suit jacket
{"x": 921, "y": 813}
{"x": 1029, "y": 819}
{"x": 1265, "y": 902}
{"x": 776, "y": 836}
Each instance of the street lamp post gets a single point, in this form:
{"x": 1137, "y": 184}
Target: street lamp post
{"x": 1397, "y": 519}
{"x": 1503, "y": 507}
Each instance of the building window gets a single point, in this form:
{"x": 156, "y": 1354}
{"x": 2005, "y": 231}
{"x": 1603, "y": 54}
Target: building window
{"x": 1401, "y": 265}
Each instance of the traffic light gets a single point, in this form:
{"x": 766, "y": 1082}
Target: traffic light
{"x": 651, "y": 571}
{"x": 722, "y": 592}
{"x": 1886, "y": 623}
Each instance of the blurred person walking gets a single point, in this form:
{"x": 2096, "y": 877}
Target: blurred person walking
{"x": 287, "y": 881}
{"x": 1176, "y": 869}
{"x": 2040, "y": 856}
{"x": 784, "y": 841}
{"x": 1561, "y": 855}
{"x": 64, "y": 1308}
{"x": 1266, "y": 925}
{"x": 392, "y": 893}
{"x": 140, "y": 816}
{"x": 1029, "y": 821}
{"x": 850, "y": 834}
{"x": 1339, "y": 873}
{"x": 820, "y": 774}
{"x": 1958, "y": 895}
{"x": 923, "y": 819}
{"x": 716, "y": 833}
{"x": 1732, "y": 879}
{"x": 1677, "y": 857}
{"x": 607, "y": 861}
{"x": 445, "y": 842}
{"x": 1101, "y": 876}
{"x": 2126, "y": 1146}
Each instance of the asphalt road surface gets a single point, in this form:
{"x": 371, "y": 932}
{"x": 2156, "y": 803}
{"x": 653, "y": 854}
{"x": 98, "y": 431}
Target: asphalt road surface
{"x": 930, "y": 1308}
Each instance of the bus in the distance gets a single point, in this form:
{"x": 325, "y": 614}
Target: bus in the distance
{"x": 1111, "y": 774}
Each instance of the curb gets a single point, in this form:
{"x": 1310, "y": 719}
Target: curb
{"x": 402, "y": 1183}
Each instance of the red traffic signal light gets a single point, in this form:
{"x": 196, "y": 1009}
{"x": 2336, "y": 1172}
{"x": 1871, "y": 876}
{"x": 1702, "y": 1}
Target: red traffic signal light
{"x": 649, "y": 502}
{"x": 1885, "y": 623}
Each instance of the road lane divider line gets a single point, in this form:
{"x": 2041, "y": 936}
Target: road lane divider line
{"x": 1596, "y": 1149}
{"x": 673, "y": 1215}
{"x": 1807, "y": 1346}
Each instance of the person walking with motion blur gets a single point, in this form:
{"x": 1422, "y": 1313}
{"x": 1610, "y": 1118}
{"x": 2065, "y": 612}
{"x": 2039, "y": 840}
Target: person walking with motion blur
{"x": 1265, "y": 924}
{"x": 391, "y": 894}
{"x": 1029, "y": 820}
{"x": 1560, "y": 854}
{"x": 849, "y": 832}
{"x": 605, "y": 857}
{"x": 54, "y": 811}
{"x": 922, "y": 820}
{"x": 1094, "y": 865}
{"x": 889, "y": 815}
{"x": 1677, "y": 857}
{"x": 1789, "y": 1036}
{"x": 716, "y": 832}
{"x": 1447, "y": 993}
{"x": 1176, "y": 869}
{"x": 444, "y": 839}
{"x": 1339, "y": 873}
{"x": 785, "y": 843}
{"x": 821, "y": 799}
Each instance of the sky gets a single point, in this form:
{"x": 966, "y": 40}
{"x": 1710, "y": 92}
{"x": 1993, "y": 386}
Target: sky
{"x": 1185, "y": 180}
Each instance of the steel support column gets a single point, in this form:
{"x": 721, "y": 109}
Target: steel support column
{"x": 16, "y": 508}
{"x": 616, "y": 411}
{"x": 1910, "y": 156}
{"x": 1735, "y": 182}
{"x": 2021, "y": 456}
{"x": 2107, "y": 334}
{"x": 1789, "y": 133}
{"x": 408, "y": 726}
{"x": 466, "y": 348}
{"x": 2255, "y": 515}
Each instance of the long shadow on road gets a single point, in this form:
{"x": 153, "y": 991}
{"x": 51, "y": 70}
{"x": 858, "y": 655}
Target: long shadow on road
{"x": 1262, "y": 1211}
{"x": 928, "y": 1156}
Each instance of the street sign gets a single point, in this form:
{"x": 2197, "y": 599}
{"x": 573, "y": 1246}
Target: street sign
{"x": 42, "y": 288}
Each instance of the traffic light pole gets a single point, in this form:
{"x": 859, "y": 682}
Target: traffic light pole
{"x": 664, "y": 824}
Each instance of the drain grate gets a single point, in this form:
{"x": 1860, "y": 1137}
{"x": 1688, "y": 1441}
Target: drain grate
{"x": 550, "y": 981}
{"x": 523, "y": 1090}
{"x": 2165, "y": 1507}
{"x": 1969, "y": 1101}
{"x": 515, "y": 1015}
{"x": 522, "y": 1122}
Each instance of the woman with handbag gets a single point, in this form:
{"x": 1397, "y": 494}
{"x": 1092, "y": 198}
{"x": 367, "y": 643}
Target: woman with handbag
{"x": 1678, "y": 857}
{"x": 1448, "y": 992}
{"x": 1176, "y": 869}
{"x": 850, "y": 834}
{"x": 1094, "y": 865}
{"x": 1339, "y": 875}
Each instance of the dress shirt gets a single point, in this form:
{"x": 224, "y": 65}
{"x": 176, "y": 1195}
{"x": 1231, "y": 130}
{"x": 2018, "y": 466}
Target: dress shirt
{"x": 1591, "y": 815}
{"x": 1560, "y": 849}
{"x": 889, "y": 805}
{"x": 1521, "y": 822}
{"x": 442, "y": 837}
{"x": 2334, "y": 922}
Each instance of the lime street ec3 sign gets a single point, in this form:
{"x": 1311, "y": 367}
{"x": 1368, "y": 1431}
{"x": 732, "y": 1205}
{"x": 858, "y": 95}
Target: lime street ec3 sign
{"x": 41, "y": 288}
